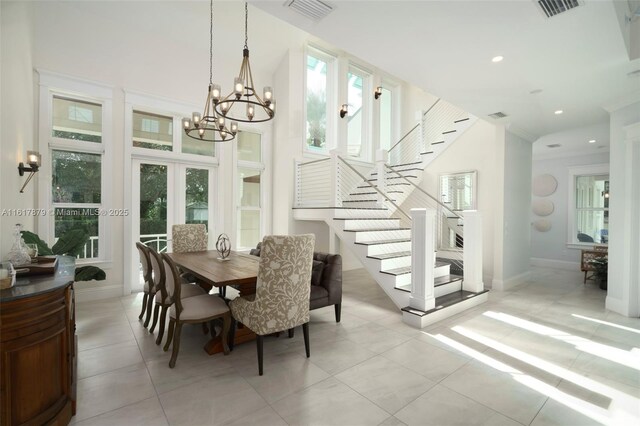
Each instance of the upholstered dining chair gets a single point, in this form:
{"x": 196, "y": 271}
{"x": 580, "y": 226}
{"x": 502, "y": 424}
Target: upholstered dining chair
{"x": 281, "y": 301}
{"x": 191, "y": 310}
{"x": 162, "y": 299}
{"x": 187, "y": 238}
{"x": 147, "y": 276}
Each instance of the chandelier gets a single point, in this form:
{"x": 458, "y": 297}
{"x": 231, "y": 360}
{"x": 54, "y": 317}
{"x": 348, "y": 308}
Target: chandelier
{"x": 210, "y": 126}
{"x": 243, "y": 103}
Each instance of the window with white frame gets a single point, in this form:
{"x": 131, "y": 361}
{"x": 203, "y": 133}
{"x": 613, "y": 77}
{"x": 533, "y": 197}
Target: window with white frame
{"x": 319, "y": 86}
{"x": 588, "y": 205}
{"x": 76, "y": 146}
{"x": 388, "y": 112}
{"x": 249, "y": 189}
{"x": 358, "y": 122}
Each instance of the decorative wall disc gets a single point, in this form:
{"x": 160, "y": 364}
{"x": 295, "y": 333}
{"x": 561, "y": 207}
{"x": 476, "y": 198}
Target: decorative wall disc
{"x": 542, "y": 225}
{"x": 544, "y": 185}
{"x": 542, "y": 207}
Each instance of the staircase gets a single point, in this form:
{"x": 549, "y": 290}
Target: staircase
{"x": 368, "y": 209}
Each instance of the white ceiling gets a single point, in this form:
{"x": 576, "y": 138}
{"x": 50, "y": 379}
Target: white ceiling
{"x": 578, "y": 58}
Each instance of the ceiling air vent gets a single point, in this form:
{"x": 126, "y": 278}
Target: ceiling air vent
{"x": 498, "y": 115}
{"x": 312, "y": 9}
{"x": 556, "y": 7}
{"x": 554, "y": 145}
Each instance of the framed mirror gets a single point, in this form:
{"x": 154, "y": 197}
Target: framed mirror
{"x": 458, "y": 191}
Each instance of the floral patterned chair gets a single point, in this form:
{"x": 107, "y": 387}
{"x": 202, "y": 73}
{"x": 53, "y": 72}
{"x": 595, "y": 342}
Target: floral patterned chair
{"x": 189, "y": 237}
{"x": 281, "y": 301}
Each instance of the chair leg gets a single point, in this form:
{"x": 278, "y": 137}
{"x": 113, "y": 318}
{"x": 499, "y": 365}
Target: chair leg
{"x": 205, "y": 328}
{"x": 156, "y": 309}
{"x": 176, "y": 345}
{"x": 226, "y": 325}
{"x": 338, "y": 308}
{"x": 172, "y": 326}
{"x": 291, "y": 330}
{"x": 305, "y": 331}
{"x": 149, "y": 309}
{"x": 585, "y": 277}
{"x": 259, "y": 342}
{"x": 232, "y": 333}
{"x": 163, "y": 320}
{"x": 144, "y": 305}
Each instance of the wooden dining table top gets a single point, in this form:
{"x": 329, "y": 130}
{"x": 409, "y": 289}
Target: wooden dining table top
{"x": 239, "y": 269}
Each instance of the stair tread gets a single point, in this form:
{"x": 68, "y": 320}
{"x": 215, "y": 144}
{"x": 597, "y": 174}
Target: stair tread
{"x": 377, "y": 229}
{"x": 365, "y": 218}
{"x": 406, "y": 164}
{"x": 437, "y": 282}
{"x": 374, "y": 193}
{"x": 390, "y": 255}
{"x": 413, "y": 169}
{"x": 425, "y": 153}
{"x": 339, "y": 208}
{"x": 461, "y": 120}
{"x": 362, "y": 201}
{"x": 373, "y": 243}
{"x": 445, "y": 301}
{"x": 395, "y": 177}
{"x": 388, "y": 184}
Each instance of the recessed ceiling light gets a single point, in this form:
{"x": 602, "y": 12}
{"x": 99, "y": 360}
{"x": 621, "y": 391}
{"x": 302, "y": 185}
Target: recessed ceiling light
{"x": 497, "y": 59}
{"x": 592, "y": 141}
{"x": 558, "y": 112}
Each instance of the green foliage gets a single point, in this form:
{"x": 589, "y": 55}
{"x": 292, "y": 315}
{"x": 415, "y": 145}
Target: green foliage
{"x": 31, "y": 238}
{"x": 71, "y": 242}
{"x": 601, "y": 268}
{"x": 316, "y": 118}
{"x": 88, "y": 273}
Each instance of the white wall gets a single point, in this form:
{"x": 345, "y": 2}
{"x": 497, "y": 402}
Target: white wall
{"x": 517, "y": 205}
{"x": 18, "y": 117}
{"x": 474, "y": 150}
{"x": 550, "y": 248}
{"x": 624, "y": 212}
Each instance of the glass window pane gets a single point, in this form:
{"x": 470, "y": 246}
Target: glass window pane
{"x": 591, "y": 191}
{"x": 249, "y": 187}
{"x": 316, "y": 102}
{"x": 197, "y": 147}
{"x": 67, "y": 219}
{"x": 153, "y": 206}
{"x": 77, "y": 120}
{"x": 249, "y": 146}
{"x": 152, "y": 131}
{"x": 76, "y": 177}
{"x": 386, "y": 119}
{"x": 592, "y": 226}
{"x": 248, "y": 228}
{"x": 197, "y": 196}
{"x": 355, "y": 116}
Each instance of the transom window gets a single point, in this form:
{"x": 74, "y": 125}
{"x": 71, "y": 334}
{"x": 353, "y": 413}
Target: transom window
{"x": 318, "y": 88}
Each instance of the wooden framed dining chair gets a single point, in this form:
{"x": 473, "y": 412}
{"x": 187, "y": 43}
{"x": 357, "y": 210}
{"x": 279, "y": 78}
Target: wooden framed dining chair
{"x": 281, "y": 301}
{"x": 191, "y": 310}
{"x": 162, "y": 299}
{"x": 148, "y": 280}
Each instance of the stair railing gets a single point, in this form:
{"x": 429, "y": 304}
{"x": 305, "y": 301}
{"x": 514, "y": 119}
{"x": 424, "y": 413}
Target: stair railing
{"x": 313, "y": 183}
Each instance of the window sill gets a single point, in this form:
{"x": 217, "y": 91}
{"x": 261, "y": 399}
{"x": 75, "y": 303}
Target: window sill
{"x": 102, "y": 264}
{"x": 584, "y": 246}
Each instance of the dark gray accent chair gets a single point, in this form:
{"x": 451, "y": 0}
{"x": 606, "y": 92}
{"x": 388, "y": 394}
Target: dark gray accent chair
{"x": 326, "y": 280}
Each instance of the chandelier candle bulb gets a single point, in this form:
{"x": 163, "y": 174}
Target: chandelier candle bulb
{"x": 272, "y": 106}
{"x": 221, "y": 122}
{"x": 196, "y": 117}
{"x": 268, "y": 95}
{"x": 215, "y": 92}
{"x": 224, "y": 106}
{"x": 201, "y": 132}
{"x": 234, "y": 126}
{"x": 186, "y": 123}
{"x": 250, "y": 111}
{"x": 238, "y": 87}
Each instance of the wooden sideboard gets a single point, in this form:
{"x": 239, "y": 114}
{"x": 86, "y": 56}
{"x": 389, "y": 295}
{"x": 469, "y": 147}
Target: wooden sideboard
{"x": 38, "y": 349}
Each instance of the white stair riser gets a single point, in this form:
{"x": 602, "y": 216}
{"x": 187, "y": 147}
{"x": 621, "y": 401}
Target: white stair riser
{"x": 367, "y": 196}
{"x": 388, "y": 248}
{"x": 442, "y": 290}
{"x": 396, "y": 262}
{"x": 359, "y": 213}
{"x": 362, "y": 236}
{"x": 361, "y": 204}
{"x": 353, "y": 225}
{"x": 404, "y": 279}
{"x": 421, "y": 322}
{"x": 441, "y": 271}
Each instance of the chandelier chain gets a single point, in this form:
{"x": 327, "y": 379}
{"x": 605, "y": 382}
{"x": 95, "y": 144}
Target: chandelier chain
{"x": 246, "y": 24}
{"x": 211, "y": 43}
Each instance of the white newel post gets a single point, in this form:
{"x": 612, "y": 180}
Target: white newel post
{"x": 472, "y": 256}
{"x": 336, "y": 197}
{"x": 423, "y": 237}
{"x": 382, "y": 158}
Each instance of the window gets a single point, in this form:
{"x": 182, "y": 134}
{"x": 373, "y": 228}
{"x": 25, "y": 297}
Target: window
{"x": 591, "y": 197}
{"x": 197, "y": 196}
{"x": 386, "y": 119}
{"x": 458, "y": 191}
{"x": 359, "y": 100}
{"x": 152, "y": 131}
{"x": 318, "y": 95}
{"x": 76, "y": 122}
{"x": 249, "y": 189}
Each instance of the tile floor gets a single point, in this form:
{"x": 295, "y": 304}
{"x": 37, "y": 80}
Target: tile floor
{"x": 543, "y": 353}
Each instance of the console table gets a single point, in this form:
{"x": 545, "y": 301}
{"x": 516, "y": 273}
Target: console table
{"x": 38, "y": 349}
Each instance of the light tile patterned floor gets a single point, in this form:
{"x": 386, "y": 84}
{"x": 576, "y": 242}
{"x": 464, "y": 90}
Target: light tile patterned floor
{"x": 546, "y": 352}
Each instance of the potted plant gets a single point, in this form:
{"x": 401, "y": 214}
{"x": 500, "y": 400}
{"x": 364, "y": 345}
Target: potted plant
{"x": 600, "y": 271}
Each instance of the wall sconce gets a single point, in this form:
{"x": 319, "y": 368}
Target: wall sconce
{"x": 344, "y": 110}
{"x": 33, "y": 161}
{"x": 378, "y": 92}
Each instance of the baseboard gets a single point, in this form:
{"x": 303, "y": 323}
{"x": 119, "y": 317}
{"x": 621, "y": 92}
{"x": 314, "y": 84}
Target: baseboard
{"x": 616, "y": 305}
{"x": 97, "y": 293}
{"x": 555, "y": 264}
{"x": 502, "y": 285}
{"x": 422, "y": 321}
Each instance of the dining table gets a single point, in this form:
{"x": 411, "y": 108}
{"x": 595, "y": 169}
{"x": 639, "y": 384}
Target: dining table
{"x": 238, "y": 270}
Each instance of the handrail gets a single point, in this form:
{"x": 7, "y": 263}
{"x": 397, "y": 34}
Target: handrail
{"x": 374, "y": 187}
{"x": 414, "y": 127}
{"x": 422, "y": 190}
{"x": 314, "y": 161}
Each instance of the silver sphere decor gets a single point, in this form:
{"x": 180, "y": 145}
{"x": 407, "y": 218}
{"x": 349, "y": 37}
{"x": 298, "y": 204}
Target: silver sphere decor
{"x": 223, "y": 245}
